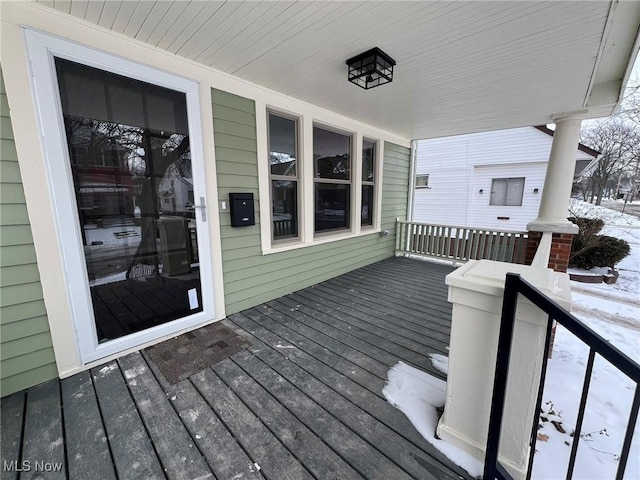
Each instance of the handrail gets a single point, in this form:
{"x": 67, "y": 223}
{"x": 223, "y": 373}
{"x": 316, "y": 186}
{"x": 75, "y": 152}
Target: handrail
{"x": 515, "y": 286}
{"x": 470, "y": 227}
{"x": 459, "y": 244}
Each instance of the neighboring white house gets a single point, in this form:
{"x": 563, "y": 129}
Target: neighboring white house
{"x": 489, "y": 180}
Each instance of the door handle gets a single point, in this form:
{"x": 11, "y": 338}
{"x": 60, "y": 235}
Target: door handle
{"x": 203, "y": 209}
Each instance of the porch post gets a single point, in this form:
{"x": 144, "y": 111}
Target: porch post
{"x": 554, "y": 204}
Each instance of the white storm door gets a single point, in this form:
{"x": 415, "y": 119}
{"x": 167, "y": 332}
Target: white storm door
{"x": 124, "y": 152}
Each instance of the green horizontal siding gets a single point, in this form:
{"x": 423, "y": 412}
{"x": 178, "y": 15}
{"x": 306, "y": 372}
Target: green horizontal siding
{"x": 251, "y": 278}
{"x": 26, "y": 352}
{"x": 22, "y": 311}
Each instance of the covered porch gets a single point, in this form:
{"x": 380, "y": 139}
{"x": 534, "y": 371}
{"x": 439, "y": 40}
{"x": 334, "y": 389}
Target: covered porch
{"x": 304, "y": 400}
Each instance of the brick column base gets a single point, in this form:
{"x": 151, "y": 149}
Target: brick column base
{"x": 558, "y": 261}
{"x": 560, "y": 250}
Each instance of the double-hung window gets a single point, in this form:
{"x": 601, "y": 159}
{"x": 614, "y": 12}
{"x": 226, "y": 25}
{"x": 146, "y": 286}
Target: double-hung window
{"x": 283, "y": 170}
{"x": 368, "y": 182}
{"x": 332, "y": 152}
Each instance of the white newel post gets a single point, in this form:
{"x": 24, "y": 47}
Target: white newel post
{"x": 476, "y": 291}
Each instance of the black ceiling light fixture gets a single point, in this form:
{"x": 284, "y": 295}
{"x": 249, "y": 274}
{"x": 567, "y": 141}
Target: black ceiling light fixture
{"x": 371, "y": 68}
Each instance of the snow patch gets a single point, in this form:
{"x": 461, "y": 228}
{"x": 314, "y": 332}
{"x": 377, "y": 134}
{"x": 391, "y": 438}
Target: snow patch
{"x": 419, "y": 396}
{"x": 107, "y": 369}
{"x": 440, "y": 362}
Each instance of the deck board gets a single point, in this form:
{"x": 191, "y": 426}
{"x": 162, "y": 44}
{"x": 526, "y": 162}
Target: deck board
{"x": 322, "y": 462}
{"x": 363, "y": 412}
{"x": 303, "y": 401}
{"x": 86, "y": 441}
{"x": 176, "y": 450}
{"x": 225, "y": 457}
{"x": 43, "y": 439}
{"x": 12, "y": 417}
{"x": 133, "y": 454}
{"x": 267, "y": 451}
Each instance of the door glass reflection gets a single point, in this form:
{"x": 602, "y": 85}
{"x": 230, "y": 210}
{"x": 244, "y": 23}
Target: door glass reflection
{"x": 131, "y": 165}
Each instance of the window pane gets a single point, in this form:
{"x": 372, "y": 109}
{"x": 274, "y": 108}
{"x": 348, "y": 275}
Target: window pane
{"x": 332, "y": 154}
{"x": 282, "y": 145}
{"x": 284, "y": 197}
{"x": 498, "y": 191}
{"x": 422, "y": 181}
{"x": 368, "y": 162}
{"x": 515, "y": 188}
{"x": 87, "y": 92}
{"x": 332, "y": 206}
{"x": 367, "y": 205}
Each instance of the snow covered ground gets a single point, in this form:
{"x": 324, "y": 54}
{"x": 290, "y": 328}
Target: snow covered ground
{"x": 611, "y": 310}
{"x": 614, "y": 312}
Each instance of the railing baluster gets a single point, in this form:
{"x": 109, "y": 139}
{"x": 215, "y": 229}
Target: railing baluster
{"x": 447, "y": 241}
{"x": 543, "y": 375}
{"x": 465, "y": 241}
{"x": 581, "y": 409}
{"x": 425, "y": 240}
{"x": 457, "y": 249}
{"x": 475, "y": 245}
{"x": 626, "y": 445}
{"x": 407, "y": 236}
{"x": 434, "y": 240}
{"x": 514, "y": 286}
{"x": 505, "y": 335}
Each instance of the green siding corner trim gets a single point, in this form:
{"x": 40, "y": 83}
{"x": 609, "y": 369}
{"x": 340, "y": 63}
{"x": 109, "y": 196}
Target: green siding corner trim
{"x": 251, "y": 278}
{"x": 26, "y": 351}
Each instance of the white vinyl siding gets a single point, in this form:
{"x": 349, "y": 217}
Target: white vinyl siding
{"x": 506, "y": 217}
{"x": 460, "y": 166}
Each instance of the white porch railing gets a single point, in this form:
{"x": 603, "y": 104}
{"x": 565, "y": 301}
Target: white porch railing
{"x": 459, "y": 244}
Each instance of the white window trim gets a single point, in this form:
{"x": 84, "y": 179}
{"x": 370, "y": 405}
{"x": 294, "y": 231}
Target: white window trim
{"x": 524, "y": 182}
{"x": 352, "y": 181}
{"x": 416, "y": 181}
{"x": 307, "y": 236}
{"x": 376, "y": 172}
{"x": 298, "y": 177}
{"x": 42, "y": 48}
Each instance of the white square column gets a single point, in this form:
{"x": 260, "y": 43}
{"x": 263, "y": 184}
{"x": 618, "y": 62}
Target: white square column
{"x": 476, "y": 291}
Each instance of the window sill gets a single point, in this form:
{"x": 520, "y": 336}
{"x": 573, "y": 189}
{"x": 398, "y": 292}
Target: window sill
{"x": 318, "y": 241}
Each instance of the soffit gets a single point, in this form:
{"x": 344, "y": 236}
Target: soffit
{"x": 461, "y": 66}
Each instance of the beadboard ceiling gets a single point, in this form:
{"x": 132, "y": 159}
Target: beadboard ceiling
{"x": 461, "y": 66}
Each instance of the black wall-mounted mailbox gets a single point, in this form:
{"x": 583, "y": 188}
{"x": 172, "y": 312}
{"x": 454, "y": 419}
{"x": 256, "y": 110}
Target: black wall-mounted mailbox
{"x": 242, "y": 214}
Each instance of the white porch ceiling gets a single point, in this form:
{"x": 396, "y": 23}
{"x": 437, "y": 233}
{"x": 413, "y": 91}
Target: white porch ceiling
{"x": 461, "y": 66}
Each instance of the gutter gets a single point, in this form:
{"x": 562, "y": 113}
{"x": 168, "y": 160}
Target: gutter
{"x": 412, "y": 180}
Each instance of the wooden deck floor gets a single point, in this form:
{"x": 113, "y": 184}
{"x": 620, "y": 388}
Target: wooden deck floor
{"x": 303, "y": 402}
